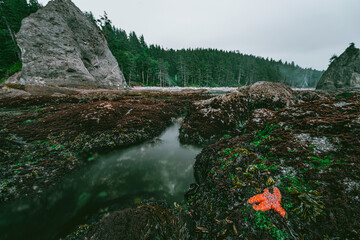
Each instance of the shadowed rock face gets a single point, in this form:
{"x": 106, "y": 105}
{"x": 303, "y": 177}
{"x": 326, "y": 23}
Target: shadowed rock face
{"x": 61, "y": 46}
{"x": 343, "y": 72}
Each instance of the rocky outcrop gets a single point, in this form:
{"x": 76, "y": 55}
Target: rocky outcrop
{"x": 10, "y": 92}
{"x": 302, "y": 96}
{"x": 61, "y": 46}
{"x": 148, "y": 221}
{"x": 343, "y": 72}
{"x": 259, "y": 118}
{"x": 270, "y": 95}
{"x": 211, "y": 119}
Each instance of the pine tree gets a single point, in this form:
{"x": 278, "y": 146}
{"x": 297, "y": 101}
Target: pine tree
{"x": 11, "y": 14}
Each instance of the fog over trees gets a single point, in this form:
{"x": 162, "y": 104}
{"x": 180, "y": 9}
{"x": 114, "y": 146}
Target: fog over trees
{"x": 144, "y": 64}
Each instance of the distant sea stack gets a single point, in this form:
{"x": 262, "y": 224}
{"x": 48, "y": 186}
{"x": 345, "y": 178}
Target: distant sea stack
{"x": 343, "y": 72}
{"x": 61, "y": 46}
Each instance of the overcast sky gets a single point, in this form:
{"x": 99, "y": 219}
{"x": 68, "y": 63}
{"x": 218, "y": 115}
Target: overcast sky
{"x": 307, "y": 32}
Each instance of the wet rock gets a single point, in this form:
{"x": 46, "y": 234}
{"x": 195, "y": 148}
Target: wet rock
{"x": 155, "y": 140}
{"x": 6, "y": 92}
{"x": 309, "y": 151}
{"x": 310, "y": 95}
{"x": 259, "y": 118}
{"x": 343, "y": 72}
{"x": 14, "y": 78}
{"x": 148, "y": 221}
{"x": 97, "y": 125}
{"x": 210, "y": 119}
{"x": 62, "y": 47}
{"x": 45, "y": 90}
{"x": 318, "y": 144}
{"x": 270, "y": 95}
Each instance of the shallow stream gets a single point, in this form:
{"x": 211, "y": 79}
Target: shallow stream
{"x": 162, "y": 169}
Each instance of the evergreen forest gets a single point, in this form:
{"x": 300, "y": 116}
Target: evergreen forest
{"x": 11, "y": 14}
{"x": 152, "y": 65}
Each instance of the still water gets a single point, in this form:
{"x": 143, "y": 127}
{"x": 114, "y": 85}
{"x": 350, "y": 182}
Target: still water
{"x": 159, "y": 170}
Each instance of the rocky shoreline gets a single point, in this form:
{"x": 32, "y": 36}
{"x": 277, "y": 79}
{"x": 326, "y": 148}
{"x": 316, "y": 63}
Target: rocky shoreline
{"x": 309, "y": 151}
{"x": 276, "y": 163}
{"x": 46, "y": 137}
{"x": 304, "y": 143}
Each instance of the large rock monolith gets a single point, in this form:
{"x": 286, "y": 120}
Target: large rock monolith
{"x": 61, "y": 46}
{"x": 343, "y": 72}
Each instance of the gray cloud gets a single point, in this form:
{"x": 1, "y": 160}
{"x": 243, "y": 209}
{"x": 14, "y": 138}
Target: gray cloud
{"x": 307, "y": 32}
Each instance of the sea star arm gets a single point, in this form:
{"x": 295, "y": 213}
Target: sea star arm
{"x": 277, "y": 193}
{"x": 257, "y": 198}
{"x": 263, "y": 206}
{"x": 279, "y": 209}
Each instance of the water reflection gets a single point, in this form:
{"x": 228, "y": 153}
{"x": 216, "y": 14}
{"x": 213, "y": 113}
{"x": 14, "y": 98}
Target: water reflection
{"x": 159, "y": 170}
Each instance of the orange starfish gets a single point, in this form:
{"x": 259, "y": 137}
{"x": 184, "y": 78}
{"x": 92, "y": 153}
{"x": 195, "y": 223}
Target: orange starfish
{"x": 268, "y": 201}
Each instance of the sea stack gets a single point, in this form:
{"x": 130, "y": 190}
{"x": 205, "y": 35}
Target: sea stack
{"x": 343, "y": 72}
{"x": 60, "y": 46}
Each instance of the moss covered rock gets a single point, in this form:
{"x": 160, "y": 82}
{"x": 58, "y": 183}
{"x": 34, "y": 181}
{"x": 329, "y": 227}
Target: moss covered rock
{"x": 309, "y": 151}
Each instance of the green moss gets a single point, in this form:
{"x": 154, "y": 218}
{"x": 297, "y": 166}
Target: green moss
{"x": 344, "y": 96}
{"x": 262, "y": 222}
{"x": 10, "y": 71}
{"x": 263, "y": 134}
{"x": 102, "y": 194}
{"x": 294, "y": 183}
{"x": 30, "y": 121}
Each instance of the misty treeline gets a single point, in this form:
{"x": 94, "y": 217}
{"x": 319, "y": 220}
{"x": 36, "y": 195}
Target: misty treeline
{"x": 144, "y": 64}
{"x": 11, "y": 14}
{"x": 152, "y": 65}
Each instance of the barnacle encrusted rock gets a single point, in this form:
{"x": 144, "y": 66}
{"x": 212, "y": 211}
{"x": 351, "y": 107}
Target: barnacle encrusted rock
{"x": 211, "y": 119}
{"x": 309, "y": 151}
{"x": 270, "y": 95}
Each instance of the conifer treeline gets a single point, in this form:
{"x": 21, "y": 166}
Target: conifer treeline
{"x": 11, "y": 14}
{"x": 153, "y": 65}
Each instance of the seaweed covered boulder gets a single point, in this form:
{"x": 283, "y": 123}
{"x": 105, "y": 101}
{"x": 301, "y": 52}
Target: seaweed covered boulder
{"x": 304, "y": 160}
{"x": 301, "y": 96}
{"x": 258, "y": 118}
{"x": 211, "y": 119}
{"x": 99, "y": 125}
{"x": 270, "y": 95}
{"x": 153, "y": 220}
